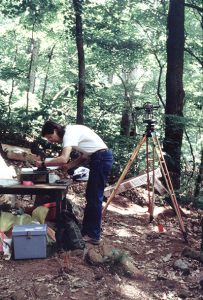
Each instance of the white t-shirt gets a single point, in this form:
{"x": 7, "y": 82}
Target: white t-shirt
{"x": 82, "y": 139}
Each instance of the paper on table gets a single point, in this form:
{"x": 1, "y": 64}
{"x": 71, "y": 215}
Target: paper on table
{"x": 28, "y": 169}
{"x": 35, "y": 168}
{"x": 8, "y": 182}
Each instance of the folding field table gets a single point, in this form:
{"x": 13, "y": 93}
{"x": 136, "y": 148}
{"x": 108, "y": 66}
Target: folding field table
{"x": 56, "y": 191}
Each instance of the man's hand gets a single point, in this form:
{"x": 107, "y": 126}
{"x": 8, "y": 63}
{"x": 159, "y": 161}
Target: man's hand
{"x": 74, "y": 163}
{"x": 38, "y": 163}
{"x": 65, "y": 167}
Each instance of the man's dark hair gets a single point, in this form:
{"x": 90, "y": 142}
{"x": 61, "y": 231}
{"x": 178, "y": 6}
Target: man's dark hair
{"x": 49, "y": 127}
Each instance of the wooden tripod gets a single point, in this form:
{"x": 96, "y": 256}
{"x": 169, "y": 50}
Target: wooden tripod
{"x": 156, "y": 147}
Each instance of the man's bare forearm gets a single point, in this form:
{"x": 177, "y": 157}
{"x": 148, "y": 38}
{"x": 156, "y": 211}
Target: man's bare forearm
{"x": 58, "y": 161}
{"x": 74, "y": 163}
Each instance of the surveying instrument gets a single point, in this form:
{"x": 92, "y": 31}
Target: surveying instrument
{"x": 150, "y": 134}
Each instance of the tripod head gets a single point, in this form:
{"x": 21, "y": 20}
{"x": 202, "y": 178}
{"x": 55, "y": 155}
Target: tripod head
{"x": 148, "y": 116}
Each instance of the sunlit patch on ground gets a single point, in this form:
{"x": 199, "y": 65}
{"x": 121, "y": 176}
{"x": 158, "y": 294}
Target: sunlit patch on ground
{"x": 133, "y": 292}
{"x": 131, "y": 210}
{"x": 124, "y": 232}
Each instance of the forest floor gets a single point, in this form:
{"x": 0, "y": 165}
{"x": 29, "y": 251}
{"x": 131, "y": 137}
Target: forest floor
{"x": 160, "y": 271}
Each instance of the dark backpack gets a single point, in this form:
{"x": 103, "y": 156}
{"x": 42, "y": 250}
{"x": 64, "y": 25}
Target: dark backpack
{"x": 68, "y": 234}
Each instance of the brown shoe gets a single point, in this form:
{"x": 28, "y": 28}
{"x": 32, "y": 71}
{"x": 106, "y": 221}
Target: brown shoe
{"x": 90, "y": 240}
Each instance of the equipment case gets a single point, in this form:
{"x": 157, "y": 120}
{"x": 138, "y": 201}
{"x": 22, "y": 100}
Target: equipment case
{"x": 29, "y": 241}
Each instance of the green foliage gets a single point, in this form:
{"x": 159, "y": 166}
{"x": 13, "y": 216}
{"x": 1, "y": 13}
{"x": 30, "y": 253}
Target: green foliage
{"x": 9, "y": 73}
{"x": 34, "y": 9}
{"x": 125, "y": 52}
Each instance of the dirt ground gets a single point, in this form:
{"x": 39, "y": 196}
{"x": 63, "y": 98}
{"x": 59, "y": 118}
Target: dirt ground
{"x": 126, "y": 228}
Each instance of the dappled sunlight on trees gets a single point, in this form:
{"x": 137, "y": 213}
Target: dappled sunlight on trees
{"x": 124, "y": 45}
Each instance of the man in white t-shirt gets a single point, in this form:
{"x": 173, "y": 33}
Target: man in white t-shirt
{"x": 92, "y": 147}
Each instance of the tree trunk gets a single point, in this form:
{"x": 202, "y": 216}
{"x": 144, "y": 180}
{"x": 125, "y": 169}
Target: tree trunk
{"x": 12, "y": 86}
{"x": 174, "y": 89}
{"x": 35, "y": 52}
{"x": 32, "y": 69}
{"x": 201, "y": 249}
{"x": 77, "y": 4}
{"x": 126, "y": 119}
{"x": 47, "y": 72}
{"x": 199, "y": 179}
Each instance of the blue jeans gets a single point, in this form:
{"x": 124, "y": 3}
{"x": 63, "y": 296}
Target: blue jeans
{"x": 100, "y": 166}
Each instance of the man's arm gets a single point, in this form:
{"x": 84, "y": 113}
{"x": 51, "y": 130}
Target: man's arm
{"x": 74, "y": 163}
{"x": 58, "y": 161}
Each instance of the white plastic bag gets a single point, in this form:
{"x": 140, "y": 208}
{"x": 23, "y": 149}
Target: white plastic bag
{"x": 81, "y": 174}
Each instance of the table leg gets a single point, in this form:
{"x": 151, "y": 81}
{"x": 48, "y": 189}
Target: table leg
{"x": 60, "y": 197}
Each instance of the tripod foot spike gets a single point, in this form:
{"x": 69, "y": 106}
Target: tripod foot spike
{"x": 151, "y": 218}
{"x": 185, "y": 237}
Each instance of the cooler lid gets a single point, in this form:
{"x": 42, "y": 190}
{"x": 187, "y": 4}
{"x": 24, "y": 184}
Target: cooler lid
{"x": 32, "y": 229}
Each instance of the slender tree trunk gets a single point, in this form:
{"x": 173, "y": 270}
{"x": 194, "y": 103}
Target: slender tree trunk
{"x": 126, "y": 113}
{"x": 77, "y": 4}
{"x": 10, "y": 98}
{"x": 35, "y": 51}
{"x": 201, "y": 248}
{"x": 31, "y": 71}
{"x": 126, "y": 120}
{"x": 161, "y": 66}
{"x": 174, "y": 89}
{"x": 47, "y": 72}
{"x": 12, "y": 87}
{"x": 199, "y": 179}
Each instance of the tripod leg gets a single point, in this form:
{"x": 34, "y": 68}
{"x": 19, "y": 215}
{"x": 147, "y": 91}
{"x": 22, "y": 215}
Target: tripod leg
{"x": 152, "y": 196}
{"x": 169, "y": 184}
{"x": 125, "y": 171}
